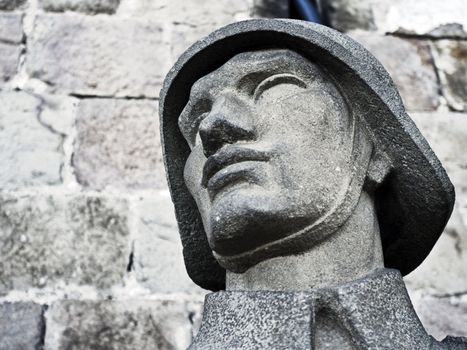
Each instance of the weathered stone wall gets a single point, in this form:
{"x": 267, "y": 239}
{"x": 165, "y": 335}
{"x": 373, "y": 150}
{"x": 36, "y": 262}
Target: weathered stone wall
{"x": 89, "y": 252}
{"x": 90, "y": 255}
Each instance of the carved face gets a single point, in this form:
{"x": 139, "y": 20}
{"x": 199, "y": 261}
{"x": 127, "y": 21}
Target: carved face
{"x": 271, "y": 139}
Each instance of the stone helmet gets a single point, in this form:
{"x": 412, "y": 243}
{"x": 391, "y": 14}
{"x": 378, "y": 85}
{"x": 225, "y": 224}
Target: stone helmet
{"x": 415, "y": 200}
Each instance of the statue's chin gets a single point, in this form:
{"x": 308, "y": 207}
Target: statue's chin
{"x": 246, "y": 219}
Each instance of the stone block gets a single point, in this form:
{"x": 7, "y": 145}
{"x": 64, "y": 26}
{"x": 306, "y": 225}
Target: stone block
{"x": 428, "y": 18}
{"x": 192, "y": 20}
{"x": 443, "y": 271}
{"x": 11, "y": 35}
{"x": 158, "y": 259}
{"x": 345, "y": 15}
{"x": 50, "y": 240}
{"x": 11, "y": 30}
{"x": 118, "y": 144}
{"x": 271, "y": 8}
{"x": 191, "y": 13}
{"x": 21, "y": 326}
{"x": 451, "y": 61}
{"x": 127, "y": 324}
{"x": 443, "y": 316}
{"x": 31, "y": 150}
{"x": 9, "y": 59}
{"x": 85, "y": 6}
{"x": 8, "y": 5}
{"x": 183, "y": 36}
{"x": 410, "y": 65}
{"x": 98, "y": 55}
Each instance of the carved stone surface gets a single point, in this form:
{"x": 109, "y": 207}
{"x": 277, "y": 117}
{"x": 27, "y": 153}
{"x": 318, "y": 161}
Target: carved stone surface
{"x": 357, "y": 315}
{"x": 414, "y": 177}
{"x": 297, "y": 176}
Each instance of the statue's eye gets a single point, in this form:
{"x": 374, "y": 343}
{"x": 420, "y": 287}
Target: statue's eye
{"x": 278, "y": 79}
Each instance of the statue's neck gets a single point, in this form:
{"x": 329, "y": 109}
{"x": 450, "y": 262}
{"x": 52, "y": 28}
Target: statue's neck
{"x": 349, "y": 253}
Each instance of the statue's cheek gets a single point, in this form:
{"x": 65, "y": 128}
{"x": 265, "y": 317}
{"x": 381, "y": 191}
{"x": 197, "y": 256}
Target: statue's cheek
{"x": 193, "y": 170}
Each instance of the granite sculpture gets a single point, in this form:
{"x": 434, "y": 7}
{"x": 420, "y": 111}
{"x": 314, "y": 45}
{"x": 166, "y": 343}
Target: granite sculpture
{"x": 302, "y": 188}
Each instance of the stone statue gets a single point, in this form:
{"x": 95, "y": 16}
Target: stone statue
{"x": 302, "y": 188}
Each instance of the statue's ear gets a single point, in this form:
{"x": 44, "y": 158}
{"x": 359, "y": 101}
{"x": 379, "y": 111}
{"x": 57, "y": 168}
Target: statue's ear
{"x": 379, "y": 168}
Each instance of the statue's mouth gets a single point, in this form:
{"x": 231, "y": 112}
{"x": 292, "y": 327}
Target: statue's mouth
{"x": 228, "y": 156}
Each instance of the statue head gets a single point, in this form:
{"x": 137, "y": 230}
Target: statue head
{"x": 272, "y": 130}
{"x": 273, "y": 153}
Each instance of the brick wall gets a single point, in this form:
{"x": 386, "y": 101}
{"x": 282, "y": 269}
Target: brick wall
{"x": 90, "y": 255}
{"x": 89, "y": 251}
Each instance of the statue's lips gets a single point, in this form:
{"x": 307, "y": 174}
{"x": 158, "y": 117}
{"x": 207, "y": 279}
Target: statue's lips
{"x": 229, "y": 155}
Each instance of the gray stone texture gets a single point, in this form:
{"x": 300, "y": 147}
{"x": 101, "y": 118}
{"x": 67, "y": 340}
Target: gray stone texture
{"x": 409, "y": 63}
{"x": 11, "y": 30}
{"x": 198, "y": 20}
{"x": 21, "y": 326}
{"x": 443, "y": 316}
{"x": 191, "y": 13}
{"x": 157, "y": 255}
{"x": 229, "y": 224}
{"x": 31, "y": 150}
{"x": 120, "y": 325}
{"x": 373, "y": 312}
{"x": 345, "y": 15}
{"x": 48, "y": 240}
{"x": 122, "y": 55}
{"x": 443, "y": 272}
{"x": 8, "y": 5}
{"x": 425, "y": 18}
{"x": 85, "y": 6}
{"x": 270, "y": 8}
{"x": 9, "y": 59}
{"x": 117, "y": 144}
{"x": 94, "y": 55}
{"x": 451, "y": 61}
{"x": 183, "y": 36}
{"x": 11, "y": 35}
{"x": 244, "y": 320}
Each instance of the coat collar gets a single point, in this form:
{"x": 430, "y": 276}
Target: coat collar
{"x": 373, "y": 312}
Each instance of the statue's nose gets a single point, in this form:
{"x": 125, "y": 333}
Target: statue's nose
{"x": 228, "y": 122}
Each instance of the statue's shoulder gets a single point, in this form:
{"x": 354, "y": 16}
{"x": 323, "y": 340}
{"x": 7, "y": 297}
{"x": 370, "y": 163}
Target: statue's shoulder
{"x": 454, "y": 343}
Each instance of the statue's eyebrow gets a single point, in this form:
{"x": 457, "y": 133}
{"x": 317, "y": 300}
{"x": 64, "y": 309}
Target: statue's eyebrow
{"x": 269, "y": 64}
